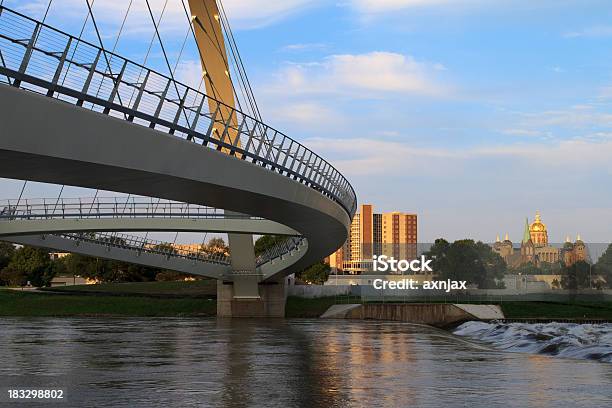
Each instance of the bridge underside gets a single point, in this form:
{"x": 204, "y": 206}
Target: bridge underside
{"x": 120, "y": 156}
{"x": 125, "y": 157}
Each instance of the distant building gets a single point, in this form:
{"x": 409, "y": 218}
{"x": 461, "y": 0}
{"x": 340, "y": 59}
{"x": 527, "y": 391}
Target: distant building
{"x": 58, "y": 255}
{"x": 575, "y": 252}
{"x": 535, "y": 248}
{"x": 392, "y": 234}
{"x": 70, "y": 281}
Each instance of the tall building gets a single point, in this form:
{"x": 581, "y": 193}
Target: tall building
{"x": 399, "y": 235}
{"x": 392, "y": 234}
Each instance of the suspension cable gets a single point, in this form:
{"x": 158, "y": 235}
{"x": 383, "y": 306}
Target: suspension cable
{"x": 93, "y": 20}
{"x": 110, "y": 71}
{"x": 77, "y": 45}
{"x": 165, "y": 56}
{"x": 58, "y": 198}
{"x": 146, "y": 58}
{"x": 115, "y": 44}
{"x": 25, "y": 183}
{"x": 21, "y": 194}
{"x": 178, "y": 59}
{"x": 234, "y": 49}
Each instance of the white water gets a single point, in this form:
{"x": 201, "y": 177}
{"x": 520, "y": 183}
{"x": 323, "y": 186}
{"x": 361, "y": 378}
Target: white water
{"x": 584, "y": 341}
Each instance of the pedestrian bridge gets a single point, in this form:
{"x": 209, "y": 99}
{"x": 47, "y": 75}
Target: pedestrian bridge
{"x": 73, "y": 113}
{"x": 72, "y": 225}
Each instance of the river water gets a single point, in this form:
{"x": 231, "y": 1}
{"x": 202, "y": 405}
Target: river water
{"x": 188, "y": 362}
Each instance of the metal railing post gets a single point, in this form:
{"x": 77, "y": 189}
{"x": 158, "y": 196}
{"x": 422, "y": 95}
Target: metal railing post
{"x": 197, "y": 118}
{"x": 162, "y": 99}
{"x": 179, "y": 111}
{"x": 28, "y": 54}
{"x": 226, "y": 127}
{"x": 60, "y": 67}
{"x": 139, "y": 96}
{"x": 90, "y": 76}
{"x": 115, "y": 90}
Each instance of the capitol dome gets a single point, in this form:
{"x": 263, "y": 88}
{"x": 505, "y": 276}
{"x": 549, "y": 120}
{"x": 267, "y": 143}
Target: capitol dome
{"x": 537, "y": 225}
{"x": 538, "y": 231}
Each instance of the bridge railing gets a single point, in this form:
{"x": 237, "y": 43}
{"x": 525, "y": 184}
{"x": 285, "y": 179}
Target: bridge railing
{"x": 192, "y": 252}
{"x": 279, "y": 250}
{"x": 107, "y": 207}
{"x": 143, "y": 244}
{"x": 43, "y": 59}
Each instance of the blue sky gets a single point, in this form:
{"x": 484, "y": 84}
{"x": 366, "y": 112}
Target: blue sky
{"x": 472, "y": 113}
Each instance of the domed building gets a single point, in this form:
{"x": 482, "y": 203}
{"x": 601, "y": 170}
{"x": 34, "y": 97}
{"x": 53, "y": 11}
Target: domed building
{"x": 534, "y": 246}
{"x": 538, "y": 231}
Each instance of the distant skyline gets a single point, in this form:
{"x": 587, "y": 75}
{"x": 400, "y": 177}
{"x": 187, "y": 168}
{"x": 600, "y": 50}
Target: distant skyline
{"x": 471, "y": 113}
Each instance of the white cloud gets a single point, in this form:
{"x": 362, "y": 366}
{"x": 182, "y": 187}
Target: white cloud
{"x": 577, "y": 116}
{"x": 304, "y": 47}
{"x": 384, "y": 6}
{"x": 242, "y": 14}
{"x": 362, "y": 156}
{"x": 363, "y": 75}
{"x": 591, "y": 32}
{"x": 259, "y": 13}
{"x": 605, "y": 92}
{"x": 190, "y": 73}
{"x": 307, "y": 113}
{"x": 522, "y": 132}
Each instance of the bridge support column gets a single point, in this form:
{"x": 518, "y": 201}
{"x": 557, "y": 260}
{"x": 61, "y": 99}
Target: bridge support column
{"x": 245, "y": 295}
{"x": 270, "y": 302}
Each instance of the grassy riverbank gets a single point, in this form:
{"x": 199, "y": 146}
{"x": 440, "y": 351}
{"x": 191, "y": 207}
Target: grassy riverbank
{"x": 171, "y": 289}
{"x": 554, "y": 310}
{"x": 197, "y": 299}
{"x": 17, "y": 303}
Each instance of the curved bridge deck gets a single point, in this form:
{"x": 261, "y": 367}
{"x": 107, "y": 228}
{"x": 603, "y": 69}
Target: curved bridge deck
{"x": 113, "y": 124}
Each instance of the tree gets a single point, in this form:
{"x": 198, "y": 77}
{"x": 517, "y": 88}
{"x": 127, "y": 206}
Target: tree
{"x": 316, "y": 274}
{"x": 474, "y": 262}
{"x": 6, "y": 253}
{"x": 216, "y": 246}
{"x": 167, "y": 276}
{"x": 576, "y": 276}
{"x": 165, "y": 248}
{"x": 81, "y": 265}
{"x": 12, "y": 277}
{"x": 105, "y": 270}
{"x": 266, "y": 242}
{"x": 604, "y": 265}
{"x": 438, "y": 254}
{"x": 34, "y": 264}
{"x": 543, "y": 268}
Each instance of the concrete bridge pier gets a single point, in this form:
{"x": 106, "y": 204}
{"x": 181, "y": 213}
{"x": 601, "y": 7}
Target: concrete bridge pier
{"x": 245, "y": 295}
{"x": 269, "y": 302}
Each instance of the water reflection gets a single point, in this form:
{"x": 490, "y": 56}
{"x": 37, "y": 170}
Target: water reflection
{"x": 284, "y": 363}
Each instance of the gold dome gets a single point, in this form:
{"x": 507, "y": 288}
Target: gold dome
{"x": 537, "y": 225}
